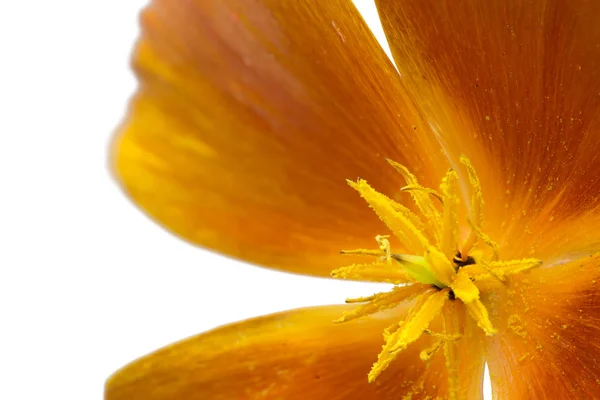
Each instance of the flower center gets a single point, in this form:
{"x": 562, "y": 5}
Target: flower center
{"x": 435, "y": 265}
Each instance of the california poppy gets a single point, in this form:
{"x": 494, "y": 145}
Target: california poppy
{"x": 252, "y": 114}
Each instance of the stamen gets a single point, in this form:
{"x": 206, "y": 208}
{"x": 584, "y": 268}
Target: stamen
{"x": 381, "y": 301}
{"x": 363, "y": 252}
{"x": 429, "y": 305}
{"x": 449, "y": 214}
{"x": 476, "y": 205}
{"x": 375, "y": 272}
{"x": 479, "y": 313}
{"x": 476, "y": 231}
{"x": 450, "y": 325}
{"x": 426, "y": 354}
{"x": 422, "y": 200}
{"x": 411, "y": 216}
{"x": 384, "y": 246}
{"x": 502, "y": 269}
{"x": 429, "y": 191}
{"x": 442, "y": 338}
{"x": 479, "y": 272}
{"x": 400, "y": 225}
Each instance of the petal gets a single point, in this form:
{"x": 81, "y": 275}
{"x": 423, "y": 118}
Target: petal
{"x": 548, "y": 328}
{"x": 251, "y": 115}
{"x": 515, "y": 86}
{"x": 297, "y": 354}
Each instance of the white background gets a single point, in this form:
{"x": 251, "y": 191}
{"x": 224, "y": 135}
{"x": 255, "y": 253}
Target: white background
{"x": 88, "y": 283}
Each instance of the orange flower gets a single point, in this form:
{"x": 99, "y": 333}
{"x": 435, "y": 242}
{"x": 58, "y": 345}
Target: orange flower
{"x": 251, "y": 115}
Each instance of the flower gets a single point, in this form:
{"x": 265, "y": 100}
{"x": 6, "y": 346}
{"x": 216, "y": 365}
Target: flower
{"x": 251, "y": 115}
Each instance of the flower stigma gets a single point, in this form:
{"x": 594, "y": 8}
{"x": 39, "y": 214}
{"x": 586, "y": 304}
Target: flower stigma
{"x": 442, "y": 266}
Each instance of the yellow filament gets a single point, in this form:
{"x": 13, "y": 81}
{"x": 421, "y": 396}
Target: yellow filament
{"x": 477, "y": 196}
{"x": 476, "y": 203}
{"x": 381, "y": 301}
{"x": 429, "y": 305}
{"x": 429, "y": 191}
{"x": 449, "y": 215}
{"x": 411, "y": 216}
{"x": 375, "y": 272}
{"x": 400, "y": 225}
{"x": 479, "y": 313}
{"x": 479, "y": 272}
{"x": 451, "y": 328}
{"x": 426, "y": 354}
{"x": 478, "y": 233}
{"x": 502, "y": 269}
{"x": 363, "y": 252}
{"x": 422, "y": 200}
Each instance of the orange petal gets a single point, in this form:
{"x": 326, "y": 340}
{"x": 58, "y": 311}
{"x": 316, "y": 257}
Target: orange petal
{"x": 515, "y": 86}
{"x": 250, "y": 117}
{"x": 548, "y": 328}
{"x": 297, "y": 354}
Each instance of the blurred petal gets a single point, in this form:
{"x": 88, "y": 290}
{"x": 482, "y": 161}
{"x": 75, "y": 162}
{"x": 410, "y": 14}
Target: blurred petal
{"x": 548, "y": 328}
{"x": 251, "y": 115}
{"x": 515, "y": 86}
{"x": 297, "y": 354}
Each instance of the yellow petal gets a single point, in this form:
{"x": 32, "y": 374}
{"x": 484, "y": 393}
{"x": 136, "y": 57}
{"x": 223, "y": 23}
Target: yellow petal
{"x": 298, "y": 354}
{"x": 548, "y": 325}
{"x": 514, "y": 86}
{"x": 250, "y": 116}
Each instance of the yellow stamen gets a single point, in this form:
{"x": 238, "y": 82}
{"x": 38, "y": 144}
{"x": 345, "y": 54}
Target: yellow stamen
{"x": 428, "y": 306}
{"x": 476, "y": 203}
{"x": 434, "y": 268}
{"x": 426, "y": 354}
{"x": 363, "y": 252}
{"x": 384, "y": 246}
{"x": 422, "y": 200}
{"x": 479, "y": 272}
{"x": 451, "y": 329}
{"x": 429, "y": 191}
{"x": 449, "y": 214}
{"x": 442, "y": 338}
{"x": 479, "y": 313}
{"x": 375, "y": 272}
{"x": 400, "y": 225}
{"x": 381, "y": 301}
{"x": 503, "y": 269}
{"x": 478, "y": 233}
